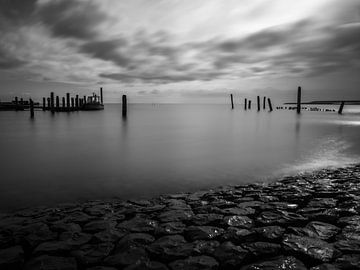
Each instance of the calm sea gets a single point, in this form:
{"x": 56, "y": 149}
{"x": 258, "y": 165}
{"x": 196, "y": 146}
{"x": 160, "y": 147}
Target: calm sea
{"x": 163, "y": 148}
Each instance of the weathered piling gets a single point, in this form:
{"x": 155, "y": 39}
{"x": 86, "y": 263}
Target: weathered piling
{"x": 249, "y": 106}
{"x": 84, "y": 99}
{"x": 72, "y": 103}
{"x": 258, "y": 103}
{"x": 63, "y": 102}
{"x": 245, "y": 104}
{"x": 77, "y": 102}
{"x": 298, "y": 108}
{"x": 341, "y": 107}
{"x": 270, "y": 105}
{"x": 21, "y": 103}
{"x": 101, "y": 95}
{"x": 52, "y": 107}
{"x": 264, "y": 103}
{"x": 32, "y": 114}
{"x": 124, "y": 106}
{"x": 68, "y": 101}
{"x": 44, "y": 104}
{"x": 57, "y": 103}
{"x": 48, "y": 103}
{"x": 232, "y": 101}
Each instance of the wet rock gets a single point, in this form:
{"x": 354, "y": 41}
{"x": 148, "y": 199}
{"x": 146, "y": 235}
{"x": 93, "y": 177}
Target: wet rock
{"x": 203, "y": 232}
{"x": 348, "y": 246}
{"x": 75, "y": 239}
{"x": 6, "y": 239}
{"x": 53, "y": 248}
{"x": 350, "y": 232}
{"x": 348, "y": 261}
{"x": 138, "y": 224}
{"x": 129, "y": 256}
{"x": 230, "y": 255}
{"x": 135, "y": 240}
{"x": 90, "y": 254}
{"x": 34, "y": 234}
{"x": 350, "y": 220}
{"x": 98, "y": 225}
{"x": 238, "y": 211}
{"x": 325, "y": 266}
{"x": 260, "y": 249}
{"x": 108, "y": 236}
{"x": 149, "y": 265}
{"x": 239, "y": 221}
{"x": 176, "y": 215}
{"x": 78, "y": 217}
{"x": 206, "y": 247}
{"x": 170, "y": 228}
{"x": 277, "y": 263}
{"x": 61, "y": 226}
{"x": 280, "y": 217}
{"x": 322, "y": 203}
{"x": 98, "y": 210}
{"x": 11, "y": 258}
{"x": 310, "y": 248}
{"x": 316, "y": 229}
{"x": 46, "y": 262}
{"x": 273, "y": 233}
{"x": 320, "y": 214}
{"x": 195, "y": 263}
{"x": 207, "y": 219}
{"x": 171, "y": 248}
{"x": 238, "y": 235}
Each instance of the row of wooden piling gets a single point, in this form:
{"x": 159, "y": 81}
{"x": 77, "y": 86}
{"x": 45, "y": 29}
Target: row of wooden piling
{"x": 247, "y": 103}
{"x": 68, "y": 103}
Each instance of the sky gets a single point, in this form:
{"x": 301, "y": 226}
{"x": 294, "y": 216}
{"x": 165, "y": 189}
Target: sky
{"x": 180, "y": 50}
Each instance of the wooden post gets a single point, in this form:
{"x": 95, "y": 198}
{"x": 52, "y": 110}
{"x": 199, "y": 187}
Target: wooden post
{"x": 77, "y": 102}
{"x": 341, "y": 107}
{"x": 52, "y": 101}
{"x": 101, "y": 95}
{"x": 84, "y": 99}
{"x": 298, "y": 109}
{"x": 21, "y": 104}
{"x": 68, "y": 101}
{"x": 249, "y": 105}
{"x": 48, "y": 103}
{"x": 63, "y": 102}
{"x": 31, "y": 108}
{"x": 232, "y": 101}
{"x": 57, "y": 103}
{"x": 258, "y": 103}
{"x": 16, "y": 103}
{"x": 44, "y": 104}
{"x": 270, "y": 106}
{"x": 264, "y": 103}
{"x": 245, "y": 105}
{"x": 124, "y": 106}
{"x": 72, "y": 103}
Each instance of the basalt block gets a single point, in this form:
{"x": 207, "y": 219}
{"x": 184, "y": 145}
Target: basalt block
{"x": 277, "y": 263}
{"x": 203, "y": 232}
{"x": 195, "y": 263}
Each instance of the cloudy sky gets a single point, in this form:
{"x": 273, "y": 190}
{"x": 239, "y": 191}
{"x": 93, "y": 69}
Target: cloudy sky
{"x": 180, "y": 50}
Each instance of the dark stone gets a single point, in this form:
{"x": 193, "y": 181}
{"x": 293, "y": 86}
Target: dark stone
{"x": 280, "y": 217}
{"x": 207, "y": 219}
{"x": 238, "y": 235}
{"x": 277, "y": 263}
{"x": 98, "y": 225}
{"x": 323, "y": 230}
{"x": 170, "y": 228}
{"x": 6, "y": 239}
{"x": 350, "y": 232}
{"x": 108, "y": 236}
{"x": 176, "y": 215}
{"x": 351, "y": 220}
{"x": 90, "y": 254}
{"x": 203, "y": 232}
{"x": 310, "y": 248}
{"x": 262, "y": 249}
{"x": 238, "y": 211}
{"x": 206, "y": 247}
{"x": 348, "y": 262}
{"x": 230, "y": 255}
{"x": 270, "y": 232}
{"x": 320, "y": 214}
{"x": 78, "y": 217}
{"x": 11, "y": 258}
{"x": 348, "y": 246}
{"x": 138, "y": 224}
{"x": 322, "y": 203}
{"x": 195, "y": 263}
{"x": 129, "y": 256}
{"x": 325, "y": 266}
{"x": 239, "y": 221}
{"x": 135, "y": 240}
{"x": 46, "y": 262}
{"x": 53, "y": 248}
{"x": 149, "y": 265}
{"x": 75, "y": 239}
{"x": 171, "y": 247}
{"x": 98, "y": 210}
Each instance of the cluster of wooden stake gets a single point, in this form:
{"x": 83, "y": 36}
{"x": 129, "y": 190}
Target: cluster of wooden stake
{"x": 247, "y": 103}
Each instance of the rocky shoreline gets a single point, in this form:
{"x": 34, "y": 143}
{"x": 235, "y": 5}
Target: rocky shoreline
{"x": 309, "y": 221}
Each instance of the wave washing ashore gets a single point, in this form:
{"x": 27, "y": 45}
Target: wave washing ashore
{"x": 308, "y": 221}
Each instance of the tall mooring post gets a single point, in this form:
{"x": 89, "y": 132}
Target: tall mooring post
{"x": 84, "y": 99}
{"x": 77, "y": 102}
{"x": 270, "y": 105}
{"x": 63, "y": 102}
{"x": 341, "y": 107}
{"x": 44, "y": 104}
{"x": 101, "y": 96}
{"x": 72, "y": 103}
{"x": 48, "y": 103}
{"x": 232, "y": 101}
{"x": 52, "y": 107}
{"x": 31, "y": 108}
{"x": 57, "y": 103}
{"x": 258, "y": 103}
{"x": 245, "y": 104}
{"x": 249, "y": 104}
{"x": 298, "y": 108}
{"x": 124, "y": 106}
{"x": 68, "y": 101}
{"x": 264, "y": 103}
{"x": 16, "y": 103}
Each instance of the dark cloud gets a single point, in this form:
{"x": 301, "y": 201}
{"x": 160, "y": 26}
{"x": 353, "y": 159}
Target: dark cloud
{"x": 73, "y": 19}
{"x": 8, "y": 60}
{"x": 17, "y": 11}
{"x": 109, "y": 50}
